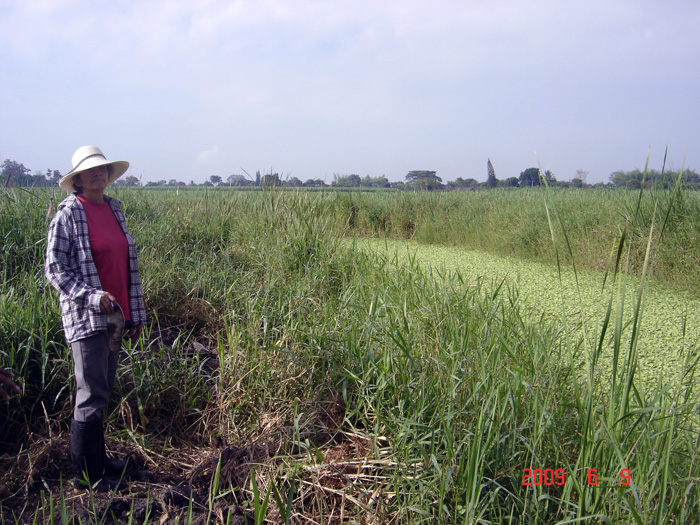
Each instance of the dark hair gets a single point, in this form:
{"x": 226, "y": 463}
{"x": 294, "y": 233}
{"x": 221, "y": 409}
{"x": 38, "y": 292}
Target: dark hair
{"x": 77, "y": 190}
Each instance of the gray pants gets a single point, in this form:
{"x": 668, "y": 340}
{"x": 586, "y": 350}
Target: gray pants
{"x": 95, "y": 371}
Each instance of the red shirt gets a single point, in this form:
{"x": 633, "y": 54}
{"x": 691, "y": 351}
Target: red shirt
{"x": 110, "y": 251}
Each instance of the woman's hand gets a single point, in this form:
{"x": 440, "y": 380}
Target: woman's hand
{"x": 6, "y": 381}
{"x": 135, "y": 332}
{"x": 107, "y": 302}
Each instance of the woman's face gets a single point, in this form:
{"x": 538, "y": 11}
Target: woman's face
{"x": 94, "y": 179}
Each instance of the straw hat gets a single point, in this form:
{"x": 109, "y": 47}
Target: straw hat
{"x": 87, "y": 157}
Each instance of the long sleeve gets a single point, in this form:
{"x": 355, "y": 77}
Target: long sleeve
{"x": 62, "y": 268}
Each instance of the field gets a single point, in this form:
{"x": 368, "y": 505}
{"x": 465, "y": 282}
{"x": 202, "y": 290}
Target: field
{"x": 292, "y": 375}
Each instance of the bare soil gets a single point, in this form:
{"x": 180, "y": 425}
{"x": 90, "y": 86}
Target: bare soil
{"x": 162, "y": 489}
{"x": 174, "y": 486}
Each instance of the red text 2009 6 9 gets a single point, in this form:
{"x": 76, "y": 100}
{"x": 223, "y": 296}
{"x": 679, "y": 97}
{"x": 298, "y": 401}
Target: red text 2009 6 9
{"x": 548, "y": 476}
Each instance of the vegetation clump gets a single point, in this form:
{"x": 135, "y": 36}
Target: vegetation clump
{"x": 287, "y": 377}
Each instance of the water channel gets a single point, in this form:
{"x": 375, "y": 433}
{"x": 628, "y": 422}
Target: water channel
{"x": 670, "y": 326}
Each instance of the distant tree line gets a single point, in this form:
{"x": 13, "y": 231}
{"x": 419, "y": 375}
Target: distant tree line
{"x": 243, "y": 181}
{"x": 16, "y": 174}
{"x": 634, "y": 179}
{"x": 355, "y": 181}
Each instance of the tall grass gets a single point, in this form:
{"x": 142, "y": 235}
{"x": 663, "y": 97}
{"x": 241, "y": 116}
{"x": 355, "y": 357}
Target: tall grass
{"x": 379, "y": 390}
{"x": 628, "y": 427}
{"x": 514, "y": 222}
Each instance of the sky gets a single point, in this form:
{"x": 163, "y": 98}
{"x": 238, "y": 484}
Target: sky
{"x": 313, "y": 89}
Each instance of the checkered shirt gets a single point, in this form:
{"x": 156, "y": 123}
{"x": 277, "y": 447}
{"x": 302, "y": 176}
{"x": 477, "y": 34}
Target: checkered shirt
{"x": 70, "y": 269}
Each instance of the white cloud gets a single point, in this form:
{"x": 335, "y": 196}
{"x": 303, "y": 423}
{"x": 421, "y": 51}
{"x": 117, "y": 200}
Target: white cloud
{"x": 313, "y": 86}
{"x": 208, "y": 156}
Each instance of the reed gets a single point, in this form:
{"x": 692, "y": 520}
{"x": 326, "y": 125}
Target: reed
{"x": 329, "y": 383}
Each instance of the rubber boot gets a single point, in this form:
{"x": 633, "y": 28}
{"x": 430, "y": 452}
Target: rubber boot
{"x": 87, "y": 457}
{"x": 113, "y": 467}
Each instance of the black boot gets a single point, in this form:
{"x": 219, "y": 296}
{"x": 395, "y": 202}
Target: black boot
{"x": 113, "y": 467}
{"x": 87, "y": 457}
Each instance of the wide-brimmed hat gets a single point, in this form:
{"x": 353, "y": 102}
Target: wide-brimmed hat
{"x": 87, "y": 157}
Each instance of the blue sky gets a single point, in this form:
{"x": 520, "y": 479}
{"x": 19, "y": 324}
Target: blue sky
{"x": 184, "y": 90}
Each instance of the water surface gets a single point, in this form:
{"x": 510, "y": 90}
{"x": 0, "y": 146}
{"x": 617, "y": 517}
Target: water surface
{"x": 670, "y": 326}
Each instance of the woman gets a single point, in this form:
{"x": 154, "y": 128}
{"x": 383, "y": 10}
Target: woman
{"x": 91, "y": 260}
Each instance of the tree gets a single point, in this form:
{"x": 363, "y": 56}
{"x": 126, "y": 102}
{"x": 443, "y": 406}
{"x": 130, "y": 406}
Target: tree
{"x": 39, "y": 179}
{"x": 529, "y": 177}
{"x": 131, "y": 181}
{"x": 238, "y": 180}
{"x": 690, "y": 177}
{"x": 549, "y": 177}
{"x": 375, "y": 182}
{"x": 511, "y": 182}
{"x": 270, "y": 180}
{"x": 581, "y": 175}
{"x": 633, "y": 179}
{"x": 424, "y": 180}
{"x": 14, "y": 173}
{"x": 462, "y": 184}
{"x": 293, "y": 182}
{"x": 616, "y": 176}
{"x": 53, "y": 176}
{"x": 381, "y": 182}
{"x": 346, "y": 181}
{"x": 215, "y": 179}
{"x": 491, "y": 180}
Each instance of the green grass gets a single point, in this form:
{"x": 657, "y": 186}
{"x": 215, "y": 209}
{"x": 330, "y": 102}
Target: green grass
{"x": 514, "y": 222}
{"x": 390, "y": 392}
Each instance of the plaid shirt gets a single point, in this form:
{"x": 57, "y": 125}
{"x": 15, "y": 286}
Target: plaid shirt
{"x": 70, "y": 269}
